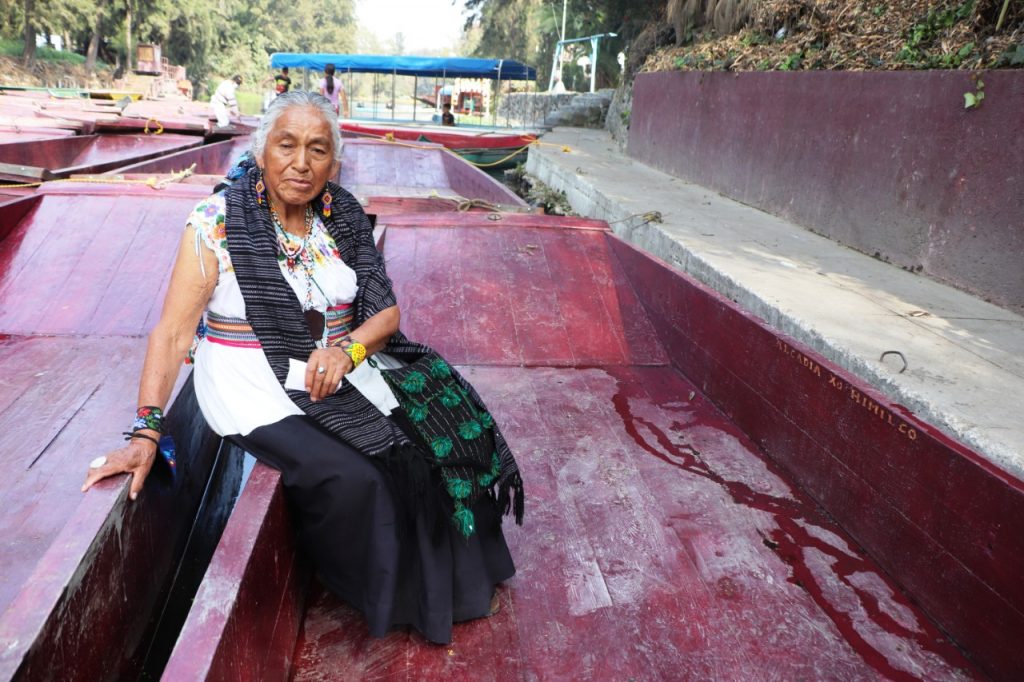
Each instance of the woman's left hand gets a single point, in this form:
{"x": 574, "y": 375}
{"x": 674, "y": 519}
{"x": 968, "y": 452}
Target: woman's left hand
{"x": 334, "y": 363}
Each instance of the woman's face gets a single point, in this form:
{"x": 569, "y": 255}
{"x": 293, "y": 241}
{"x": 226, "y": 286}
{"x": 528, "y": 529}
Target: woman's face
{"x": 298, "y": 158}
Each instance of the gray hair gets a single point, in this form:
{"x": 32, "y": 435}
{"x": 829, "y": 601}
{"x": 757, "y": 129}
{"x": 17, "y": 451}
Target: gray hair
{"x": 296, "y": 98}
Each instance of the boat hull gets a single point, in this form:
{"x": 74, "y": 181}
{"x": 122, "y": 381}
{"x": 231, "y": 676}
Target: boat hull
{"x": 86, "y": 577}
{"x": 62, "y": 157}
{"x": 665, "y": 438}
{"x": 484, "y": 147}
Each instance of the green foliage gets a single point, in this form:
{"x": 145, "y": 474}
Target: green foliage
{"x": 792, "y": 62}
{"x": 10, "y": 47}
{"x": 973, "y": 100}
{"x": 924, "y": 33}
{"x": 250, "y": 103}
{"x": 750, "y": 38}
{"x": 1013, "y": 56}
{"x": 213, "y": 40}
{"x": 528, "y": 30}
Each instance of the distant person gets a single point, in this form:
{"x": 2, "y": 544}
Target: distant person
{"x": 447, "y": 117}
{"x": 334, "y": 91}
{"x": 282, "y": 82}
{"x": 223, "y": 101}
{"x": 558, "y": 87}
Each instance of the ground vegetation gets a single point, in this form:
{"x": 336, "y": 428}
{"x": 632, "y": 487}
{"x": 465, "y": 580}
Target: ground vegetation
{"x": 750, "y": 35}
{"x": 790, "y": 35}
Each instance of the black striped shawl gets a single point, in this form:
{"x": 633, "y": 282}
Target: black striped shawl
{"x": 275, "y": 314}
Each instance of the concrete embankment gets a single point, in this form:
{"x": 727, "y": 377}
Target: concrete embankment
{"x": 964, "y": 357}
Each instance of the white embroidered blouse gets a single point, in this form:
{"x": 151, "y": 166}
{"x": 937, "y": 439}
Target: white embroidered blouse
{"x": 235, "y": 386}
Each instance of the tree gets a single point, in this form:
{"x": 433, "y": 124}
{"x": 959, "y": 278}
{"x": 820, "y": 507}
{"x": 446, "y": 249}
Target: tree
{"x": 528, "y": 30}
{"x": 29, "y": 53}
{"x": 219, "y": 38}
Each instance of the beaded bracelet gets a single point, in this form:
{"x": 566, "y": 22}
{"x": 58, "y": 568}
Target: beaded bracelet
{"x": 357, "y": 352}
{"x": 148, "y": 417}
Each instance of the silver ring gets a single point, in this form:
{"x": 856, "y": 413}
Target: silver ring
{"x": 98, "y": 463}
{"x": 321, "y": 369}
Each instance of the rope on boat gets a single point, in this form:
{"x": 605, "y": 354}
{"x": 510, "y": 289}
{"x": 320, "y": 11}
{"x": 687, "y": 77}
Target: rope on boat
{"x": 114, "y": 180}
{"x": 462, "y": 204}
{"x": 158, "y": 131}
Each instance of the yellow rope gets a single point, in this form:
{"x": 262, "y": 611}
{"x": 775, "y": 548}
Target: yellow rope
{"x": 160, "y": 129}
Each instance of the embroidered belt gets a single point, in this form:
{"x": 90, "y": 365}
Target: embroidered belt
{"x": 238, "y": 333}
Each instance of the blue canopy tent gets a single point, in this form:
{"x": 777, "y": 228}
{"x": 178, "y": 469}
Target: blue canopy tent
{"x": 444, "y": 67}
{"x": 434, "y": 67}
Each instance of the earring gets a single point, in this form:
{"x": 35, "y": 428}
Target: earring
{"x": 326, "y": 199}
{"x": 260, "y": 188}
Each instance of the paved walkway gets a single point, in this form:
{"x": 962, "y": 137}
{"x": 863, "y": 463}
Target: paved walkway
{"x": 965, "y": 357}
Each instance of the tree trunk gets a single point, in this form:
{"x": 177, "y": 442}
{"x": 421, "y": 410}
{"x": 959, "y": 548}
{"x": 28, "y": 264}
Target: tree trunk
{"x": 28, "y": 56}
{"x": 94, "y": 43}
{"x": 128, "y": 37}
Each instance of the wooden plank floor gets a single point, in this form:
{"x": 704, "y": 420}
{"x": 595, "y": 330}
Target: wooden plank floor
{"x": 660, "y": 543}
{"x": 411, "y": 169}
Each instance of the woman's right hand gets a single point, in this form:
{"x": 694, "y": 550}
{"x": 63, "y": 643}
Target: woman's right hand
{"x": 135, "y": 458}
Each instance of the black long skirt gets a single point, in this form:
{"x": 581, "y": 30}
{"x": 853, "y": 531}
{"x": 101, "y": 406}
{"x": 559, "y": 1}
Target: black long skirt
{"x": 397, "y": 572}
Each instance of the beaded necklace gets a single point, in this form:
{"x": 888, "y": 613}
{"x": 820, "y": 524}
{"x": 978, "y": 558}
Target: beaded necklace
{"x": 293, "y": 258}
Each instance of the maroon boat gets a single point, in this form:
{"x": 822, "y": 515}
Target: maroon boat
{"x": 96, "y": 587}
{"x": 706, "y": 498}
{"x": 209, "y": 159}
{"x": 675, "y": 451}
{"x": 86, "y": 578}
{"x": 58, "y": 158}
{"x": 391, "y": 178}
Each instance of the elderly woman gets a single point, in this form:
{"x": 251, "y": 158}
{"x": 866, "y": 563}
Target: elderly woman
{"x": 283, "y": 268}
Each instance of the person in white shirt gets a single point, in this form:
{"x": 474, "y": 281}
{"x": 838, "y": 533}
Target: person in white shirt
{"x": 223, "y": 101}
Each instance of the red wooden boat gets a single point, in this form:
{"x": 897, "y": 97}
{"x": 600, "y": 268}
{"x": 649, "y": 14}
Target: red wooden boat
{"x": 96, "y": 587}
{"x": 22, "y": 121}
{"x": 86, "y": 578}
{"x": 482, "y": 146}
{"x": 707, "y": 499}
{"x": 209, "y": 159}
{"x": 387, "y": 178}
{"x": 59, "y": 158}
{"x": 14, "y": 133}
{"x": 405, "y": 179}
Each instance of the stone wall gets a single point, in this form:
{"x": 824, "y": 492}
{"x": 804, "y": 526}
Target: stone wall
{"x": 546, "y": 110}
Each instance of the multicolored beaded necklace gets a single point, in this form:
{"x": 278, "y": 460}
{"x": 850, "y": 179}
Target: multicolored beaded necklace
{"x": 295, "y": 257}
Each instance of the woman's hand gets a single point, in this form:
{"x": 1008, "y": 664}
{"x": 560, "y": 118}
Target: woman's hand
{"x": 135, "y": 458}
{"x": 335, "y": 363}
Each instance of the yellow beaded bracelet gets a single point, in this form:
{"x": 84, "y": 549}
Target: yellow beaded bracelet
{"x": 357, "y": 352}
